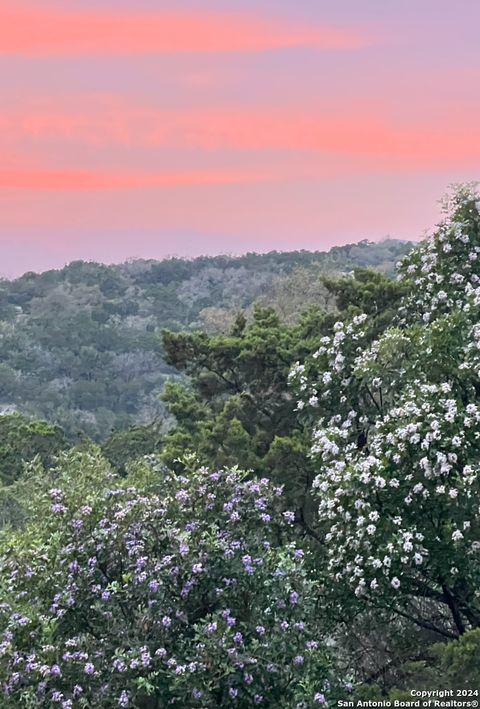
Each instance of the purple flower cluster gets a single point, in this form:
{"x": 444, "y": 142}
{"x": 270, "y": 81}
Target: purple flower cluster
{"x": 184, "y": 583}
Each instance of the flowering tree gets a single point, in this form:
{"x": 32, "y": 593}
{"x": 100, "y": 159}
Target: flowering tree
{"x": 161, "y": 591}
{"x": 398, "y": 463}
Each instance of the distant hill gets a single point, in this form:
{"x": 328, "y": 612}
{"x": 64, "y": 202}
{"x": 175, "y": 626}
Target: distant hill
{"x": 80, "y": 346}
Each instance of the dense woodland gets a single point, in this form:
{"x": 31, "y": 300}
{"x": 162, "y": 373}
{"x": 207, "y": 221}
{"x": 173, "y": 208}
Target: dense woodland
{"x": 256, "y": 481}
{"x": 81, "y": 346}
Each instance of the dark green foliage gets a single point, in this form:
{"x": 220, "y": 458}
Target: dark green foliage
{"x": 238, "y": 404}
{"x": 367, "y": 292}
{"x": 22, "y": 440}
{"x": 458, "y": 662}
{"x": 453, "y": 665}
{"x": 121, "y": 447}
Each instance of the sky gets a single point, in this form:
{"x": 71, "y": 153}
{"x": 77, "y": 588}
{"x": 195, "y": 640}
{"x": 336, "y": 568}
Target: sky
{"x": 153, "y": 128}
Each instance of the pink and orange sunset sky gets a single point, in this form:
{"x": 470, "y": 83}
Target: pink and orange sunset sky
{"x": 147, "y": 128}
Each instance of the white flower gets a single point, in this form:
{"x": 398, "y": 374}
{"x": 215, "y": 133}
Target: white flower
{"x": 395, "y": 582}
{"x": 360, "y": 590}
{"x": 457, "y": 535}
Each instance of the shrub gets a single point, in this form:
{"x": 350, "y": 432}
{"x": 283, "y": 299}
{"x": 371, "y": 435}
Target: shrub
{"x": 187, "y": 592}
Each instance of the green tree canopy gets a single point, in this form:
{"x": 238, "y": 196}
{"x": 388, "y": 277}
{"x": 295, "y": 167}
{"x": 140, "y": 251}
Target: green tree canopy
{"x": 21, "y": 440}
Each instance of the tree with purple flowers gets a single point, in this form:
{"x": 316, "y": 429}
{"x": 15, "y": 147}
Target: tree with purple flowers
{"x": 161, "y": 590}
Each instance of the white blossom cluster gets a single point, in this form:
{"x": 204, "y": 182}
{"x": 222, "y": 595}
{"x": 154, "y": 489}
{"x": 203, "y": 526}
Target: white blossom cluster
{"x": 445, "y": 268}
{"x": 335, "y": 358}
{"x": 416, "y": 490}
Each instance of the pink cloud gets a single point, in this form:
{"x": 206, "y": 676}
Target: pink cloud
{"x": 68, "y": 180}
{"x": 27, "y": 30}
{"x": 359, "y": 131}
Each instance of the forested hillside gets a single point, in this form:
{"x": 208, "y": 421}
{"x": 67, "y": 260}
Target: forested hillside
{"x": 81, "y": 346}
